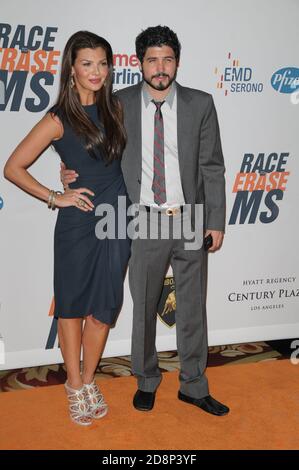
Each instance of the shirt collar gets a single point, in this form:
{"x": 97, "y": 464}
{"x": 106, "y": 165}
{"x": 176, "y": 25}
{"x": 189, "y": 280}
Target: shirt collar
{"x": 147, "y": 98}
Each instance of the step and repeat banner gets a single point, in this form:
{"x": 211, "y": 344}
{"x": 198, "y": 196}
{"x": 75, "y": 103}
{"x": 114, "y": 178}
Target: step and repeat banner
{"x": 246, "y": 55}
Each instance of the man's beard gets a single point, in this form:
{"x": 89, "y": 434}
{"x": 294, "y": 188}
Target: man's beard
{"x": 161, "y": 86}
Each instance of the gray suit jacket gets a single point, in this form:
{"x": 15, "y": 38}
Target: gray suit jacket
{"x": 199, "y": 151}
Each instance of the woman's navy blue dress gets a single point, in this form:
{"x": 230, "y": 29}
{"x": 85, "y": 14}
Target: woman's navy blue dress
{"x": 88, "y": 272}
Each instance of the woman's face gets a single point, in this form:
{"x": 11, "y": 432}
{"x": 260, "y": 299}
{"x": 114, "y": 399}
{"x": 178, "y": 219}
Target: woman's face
{"x": 90, "y": 70}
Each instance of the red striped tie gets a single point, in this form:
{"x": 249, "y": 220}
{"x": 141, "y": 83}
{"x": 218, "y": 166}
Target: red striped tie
{"x": 158, "y": 186}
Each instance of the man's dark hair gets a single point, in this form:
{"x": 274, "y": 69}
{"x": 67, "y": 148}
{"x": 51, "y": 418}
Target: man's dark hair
{"x": 157, "y": 36}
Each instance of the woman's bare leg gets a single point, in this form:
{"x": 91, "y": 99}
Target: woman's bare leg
{"x": 70, "y": 340}
{"x": 94, "y": 339}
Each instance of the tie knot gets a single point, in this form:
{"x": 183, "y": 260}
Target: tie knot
{"x": 158, "y": 104}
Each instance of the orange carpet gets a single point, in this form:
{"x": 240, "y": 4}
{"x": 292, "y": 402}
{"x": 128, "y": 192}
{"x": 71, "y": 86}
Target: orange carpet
{"x": 263, "y": 398}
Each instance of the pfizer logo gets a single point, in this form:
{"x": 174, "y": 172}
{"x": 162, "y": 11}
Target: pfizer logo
{"x": 286, "y": 80}
{"x": 1, "y": 202}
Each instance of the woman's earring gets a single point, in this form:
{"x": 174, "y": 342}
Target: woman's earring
{"x": 72, "y": 82}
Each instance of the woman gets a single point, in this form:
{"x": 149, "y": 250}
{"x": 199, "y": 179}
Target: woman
{"x": 86, "y": 129}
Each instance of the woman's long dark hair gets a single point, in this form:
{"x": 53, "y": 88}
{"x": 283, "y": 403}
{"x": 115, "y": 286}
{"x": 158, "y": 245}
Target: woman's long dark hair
{"x": 112, "y": 141}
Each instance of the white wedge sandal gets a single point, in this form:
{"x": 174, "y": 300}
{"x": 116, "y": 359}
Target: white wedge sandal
{"x": 78, "y": 405}
{"x": 97, "y": 406}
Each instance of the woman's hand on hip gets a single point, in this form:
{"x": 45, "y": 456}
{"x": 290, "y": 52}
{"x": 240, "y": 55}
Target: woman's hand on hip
{"x": 75, "y": 197}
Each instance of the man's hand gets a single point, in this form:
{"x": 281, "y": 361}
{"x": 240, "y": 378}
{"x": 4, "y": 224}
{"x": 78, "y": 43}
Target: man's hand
{"x": 217, "y": 239}
{"x": 67, "y": 176}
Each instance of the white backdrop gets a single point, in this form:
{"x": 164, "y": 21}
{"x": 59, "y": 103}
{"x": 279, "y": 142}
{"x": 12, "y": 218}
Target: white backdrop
{"x": 246, "y": 55}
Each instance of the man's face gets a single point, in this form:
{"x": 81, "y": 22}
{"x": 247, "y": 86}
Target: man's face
{"x": 159, "y": 67}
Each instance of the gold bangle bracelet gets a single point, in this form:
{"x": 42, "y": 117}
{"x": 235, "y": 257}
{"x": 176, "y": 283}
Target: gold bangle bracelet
{"x": 50, "y": 198}
{"x": 54, "y": 200}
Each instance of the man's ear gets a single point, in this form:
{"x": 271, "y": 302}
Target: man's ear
{"x": 139, "y": 65}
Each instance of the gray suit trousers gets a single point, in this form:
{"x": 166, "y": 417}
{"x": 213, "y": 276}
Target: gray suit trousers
{"x": 148, "y": 265}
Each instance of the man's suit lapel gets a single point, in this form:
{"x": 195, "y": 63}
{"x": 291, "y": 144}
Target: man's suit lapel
{"x": 136, "y": 130}
{"x": 184, "y": 128}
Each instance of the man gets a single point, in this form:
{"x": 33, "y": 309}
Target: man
{"x": 173, "y": 157}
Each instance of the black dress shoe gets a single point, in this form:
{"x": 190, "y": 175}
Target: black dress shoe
{"x": 144, "y": 401}
{"x": 208, "y": 404}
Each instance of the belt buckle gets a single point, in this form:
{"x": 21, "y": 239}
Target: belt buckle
{"x": 172, "y": 211}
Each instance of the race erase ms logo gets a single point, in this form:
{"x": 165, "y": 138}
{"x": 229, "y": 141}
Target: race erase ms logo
{"x": 29, "y": 63}
{"x": 259, "y": 187}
